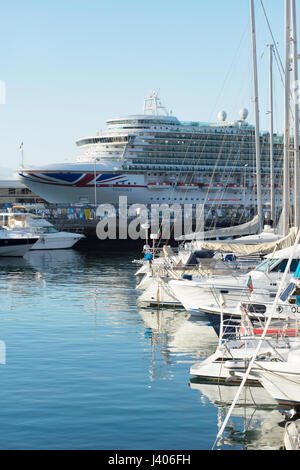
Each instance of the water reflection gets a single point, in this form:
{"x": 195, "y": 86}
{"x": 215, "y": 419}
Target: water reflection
{"x": 180, "y": 332}
{"x": 175, "y": 337}
{"x": 47, "y": 260}
{"x": 255, "y": 420}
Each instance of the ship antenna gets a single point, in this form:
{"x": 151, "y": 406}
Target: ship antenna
{"x": 152, "y": 104}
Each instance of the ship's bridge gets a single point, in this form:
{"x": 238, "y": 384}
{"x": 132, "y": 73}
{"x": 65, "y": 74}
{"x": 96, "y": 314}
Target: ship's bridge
{"x": 103, "y": 139}
{"x": 142, "y": 121}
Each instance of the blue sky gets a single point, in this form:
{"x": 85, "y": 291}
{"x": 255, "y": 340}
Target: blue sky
{"x": 69, "y": 65}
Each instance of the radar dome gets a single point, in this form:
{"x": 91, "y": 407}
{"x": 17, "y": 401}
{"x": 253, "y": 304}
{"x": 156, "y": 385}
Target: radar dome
{"x": 243, "y": 114}
{"x": 222, "y": 116}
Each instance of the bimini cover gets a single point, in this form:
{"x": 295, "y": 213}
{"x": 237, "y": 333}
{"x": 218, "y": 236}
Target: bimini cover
{"x": 198, "y": 256}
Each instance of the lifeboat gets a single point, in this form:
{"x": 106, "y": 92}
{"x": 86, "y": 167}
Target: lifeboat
{"x": 187, "y": 186}
{"x": 235, "y": 186}
{"x": 263, "y": 186}
{"x": 213, "y": 185}
{"x": 159, "y": 185}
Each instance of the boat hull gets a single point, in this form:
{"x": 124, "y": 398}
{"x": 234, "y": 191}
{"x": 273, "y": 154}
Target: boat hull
{"x": 284, "y": 387}
{"x": 59, "y": 241}
{"x": 158, "y": 294}
{"x": 16, "y": 247}
{"x": 78, "y": 183}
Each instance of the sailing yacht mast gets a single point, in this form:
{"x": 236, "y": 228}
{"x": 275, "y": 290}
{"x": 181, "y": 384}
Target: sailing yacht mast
{"x": 290, "y": 9}
{"x": 257, "y": 137}
{"x": 272, "y": 198}
{"x": 286, "y": 166}
{"x": 296, "y": 116}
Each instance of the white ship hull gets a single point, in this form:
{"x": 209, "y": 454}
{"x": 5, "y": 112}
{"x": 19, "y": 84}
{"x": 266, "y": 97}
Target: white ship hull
{"x": 79, "y": 184}
{"x": 56, "y": 241}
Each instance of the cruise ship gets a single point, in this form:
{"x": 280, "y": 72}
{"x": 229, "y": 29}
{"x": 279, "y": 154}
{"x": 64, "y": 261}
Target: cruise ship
{"x": 154, "y": 158}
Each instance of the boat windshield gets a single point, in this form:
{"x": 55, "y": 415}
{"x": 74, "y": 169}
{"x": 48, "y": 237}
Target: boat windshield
{"x": 266, "y": 265}
{"x": 47, "y": 230}
{"x": 271, "y": 265}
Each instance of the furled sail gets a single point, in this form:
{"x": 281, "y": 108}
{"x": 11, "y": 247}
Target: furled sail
{"x": 248, "y": 249}
{"x": 247, "y": 228}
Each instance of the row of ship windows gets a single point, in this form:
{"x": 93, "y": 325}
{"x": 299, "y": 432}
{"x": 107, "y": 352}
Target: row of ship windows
{"x": 203, "y": 181}
{"x": 240, "y": 137}
{"x": 192, "y": 168}
{"x": 149, "y": 153}
{"x": 200, "y": 145}
{"x": 224, "y": 141}
{"x": 279, "y": 199}
{"x": 205, "y": 168}
{"x": 142, "y": 121}
{"x": 102, "y": 140}
{"x": 204, "y": 159}
{"x": 230, "y": 131}
{"x": 195, "y": 149}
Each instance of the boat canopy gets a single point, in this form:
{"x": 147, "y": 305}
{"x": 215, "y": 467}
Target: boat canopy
{"x": 249, "y": 249}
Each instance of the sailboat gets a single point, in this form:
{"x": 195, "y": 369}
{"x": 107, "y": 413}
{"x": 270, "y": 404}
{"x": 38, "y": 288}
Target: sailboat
{"x": 162, "y": 285}
{"x": 216, "y": 294}
{"x": 280, "y": 378}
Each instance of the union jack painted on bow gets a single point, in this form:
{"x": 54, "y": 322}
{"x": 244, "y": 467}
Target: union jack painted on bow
{"x": 74, "y": 179}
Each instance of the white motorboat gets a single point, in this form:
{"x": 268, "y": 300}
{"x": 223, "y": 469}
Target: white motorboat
{"x": 219, "y": 294}
{"x": 234, "y": 356}
{"x": 49, "y": 238}
{"x": 278, "y": 369}
{"x": 238, "y": 341}
{"x": 194, "y": 261}
{"x": 15, "y": 244}
{"x": 183, "y": 265}
{"x": 281, "y": 378}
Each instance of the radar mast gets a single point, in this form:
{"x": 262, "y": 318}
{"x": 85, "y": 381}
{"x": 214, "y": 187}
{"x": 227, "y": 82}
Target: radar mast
{"x": 152, "y": 105}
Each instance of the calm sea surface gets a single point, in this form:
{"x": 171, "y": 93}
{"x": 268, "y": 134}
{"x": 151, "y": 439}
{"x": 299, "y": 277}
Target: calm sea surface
{"x": 87, "y": 369}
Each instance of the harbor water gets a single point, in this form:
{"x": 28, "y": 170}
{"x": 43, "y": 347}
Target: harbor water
{"x": 86, "y": 368}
